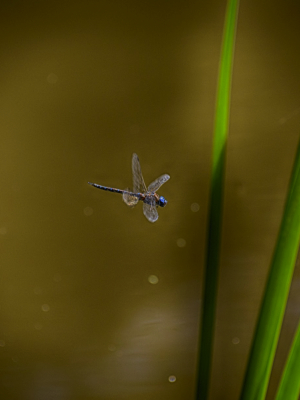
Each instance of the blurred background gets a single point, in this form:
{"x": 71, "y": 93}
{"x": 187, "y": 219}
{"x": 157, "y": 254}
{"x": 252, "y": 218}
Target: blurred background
{"x": 95, "y": 301}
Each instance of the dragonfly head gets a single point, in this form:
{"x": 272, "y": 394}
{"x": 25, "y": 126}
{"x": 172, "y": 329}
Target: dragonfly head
{"x": 162, "y": 202}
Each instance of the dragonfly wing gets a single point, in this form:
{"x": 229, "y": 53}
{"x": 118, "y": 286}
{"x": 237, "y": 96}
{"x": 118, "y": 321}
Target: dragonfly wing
{"x": 130, "y": 200}
{"x": 137, "y": 176}
{"x": 154, "y": 186}
{"x": 150, "y": 212}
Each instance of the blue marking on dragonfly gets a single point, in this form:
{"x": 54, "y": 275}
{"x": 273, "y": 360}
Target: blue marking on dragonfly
{"x": 140, "y": 192}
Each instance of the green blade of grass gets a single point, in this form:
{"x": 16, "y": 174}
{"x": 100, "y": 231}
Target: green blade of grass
{"x": 289, "y": 388}
{"x": 276, "y": 293}
{"x": 216, "y": 197}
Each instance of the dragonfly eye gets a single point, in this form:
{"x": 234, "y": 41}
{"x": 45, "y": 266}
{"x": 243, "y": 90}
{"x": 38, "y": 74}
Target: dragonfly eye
{"x": 162, "y": 201}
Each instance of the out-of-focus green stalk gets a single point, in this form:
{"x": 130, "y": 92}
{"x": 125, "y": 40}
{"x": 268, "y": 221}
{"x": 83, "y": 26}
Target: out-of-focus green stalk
{"x": 289, "y": 388}
{"x": 275, "y": 296}
{"x": 216, "y": 198}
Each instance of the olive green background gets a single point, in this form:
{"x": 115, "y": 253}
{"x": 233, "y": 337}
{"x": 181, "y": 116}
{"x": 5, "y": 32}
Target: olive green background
{"x": 83, "y": 86}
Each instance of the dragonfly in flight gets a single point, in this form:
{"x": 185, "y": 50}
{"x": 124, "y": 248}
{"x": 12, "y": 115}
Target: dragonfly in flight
{"x": 140, "y": 192}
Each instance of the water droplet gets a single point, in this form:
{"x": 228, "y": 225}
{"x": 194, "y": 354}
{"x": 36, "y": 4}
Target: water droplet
{"x": 52, "y": 78}
{"x": 181, "y": 242}
{"x": 195, "y": 207}
{"x": 38, "y": 326}
{"x": 45, "y": 307}
{"x": 153, "y": 279}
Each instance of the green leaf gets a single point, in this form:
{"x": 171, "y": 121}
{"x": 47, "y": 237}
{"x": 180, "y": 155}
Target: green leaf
{"x": 216, "y": 197}
{"x": 275, "y": 296}
{"x": 289, "y": 388}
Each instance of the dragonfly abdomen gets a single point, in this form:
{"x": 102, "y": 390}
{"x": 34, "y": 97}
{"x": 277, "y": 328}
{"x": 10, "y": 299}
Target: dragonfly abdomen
{"x": 114, "y": 190}
{"x": 109, "y": 189}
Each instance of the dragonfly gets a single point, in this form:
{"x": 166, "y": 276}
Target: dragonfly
{"x": 140, "y": 192}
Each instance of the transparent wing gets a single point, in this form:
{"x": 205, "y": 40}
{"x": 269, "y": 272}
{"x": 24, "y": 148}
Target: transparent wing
{"x": 150, "y": 212}
{"x": 154, "y": 186}
{"x": 137, "y": 176}
{"x": 130, "y": 200}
